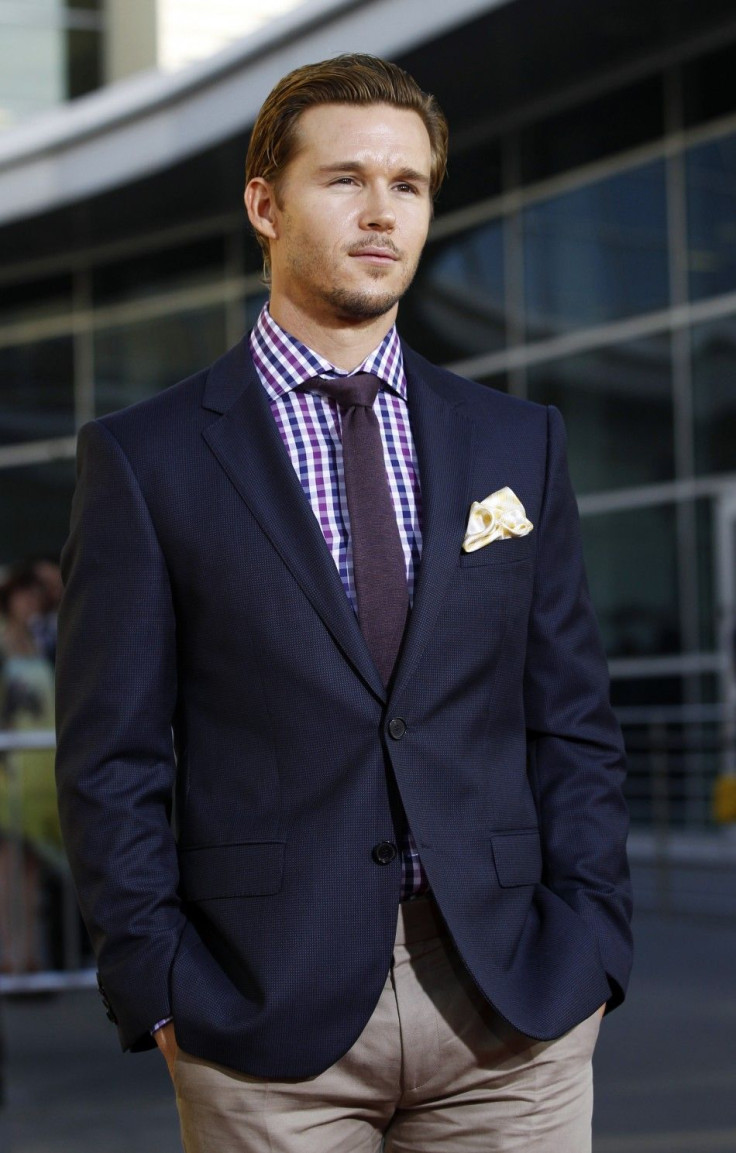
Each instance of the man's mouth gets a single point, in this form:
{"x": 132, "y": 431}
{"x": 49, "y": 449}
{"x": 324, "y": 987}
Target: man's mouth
{"x": 375, "y": 254}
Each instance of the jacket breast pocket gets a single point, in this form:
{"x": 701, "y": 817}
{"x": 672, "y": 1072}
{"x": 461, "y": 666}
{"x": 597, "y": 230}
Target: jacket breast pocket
{"x": 517, "y": 857}
{"x": 500, "y": 552}
{"x": 249, "y": 869}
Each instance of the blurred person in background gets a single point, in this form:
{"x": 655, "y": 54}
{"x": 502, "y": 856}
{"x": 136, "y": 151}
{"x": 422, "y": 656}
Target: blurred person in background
{"x": 44, "y": 624}
{"x": 29, "y": 823}
{"x": 394, "y": 902}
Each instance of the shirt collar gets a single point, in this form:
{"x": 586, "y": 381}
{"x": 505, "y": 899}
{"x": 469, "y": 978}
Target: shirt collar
{"x": 283, "y": 362}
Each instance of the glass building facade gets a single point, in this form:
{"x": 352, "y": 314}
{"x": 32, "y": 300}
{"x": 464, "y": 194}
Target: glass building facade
{"x": 583, "y": 256}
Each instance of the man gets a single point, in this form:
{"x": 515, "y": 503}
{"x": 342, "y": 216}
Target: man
{"x": 386, "y": 709}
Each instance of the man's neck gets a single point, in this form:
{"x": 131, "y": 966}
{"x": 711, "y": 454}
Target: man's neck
{"x": 344, "y": 344}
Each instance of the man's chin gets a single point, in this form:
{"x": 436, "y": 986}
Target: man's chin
{"x": 359, "y": 306}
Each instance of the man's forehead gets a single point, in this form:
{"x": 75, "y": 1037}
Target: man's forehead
{"x": 330, "y": 127}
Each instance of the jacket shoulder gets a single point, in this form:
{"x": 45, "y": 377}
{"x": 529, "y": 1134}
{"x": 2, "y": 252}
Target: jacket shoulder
{"x": 482, "y": 398}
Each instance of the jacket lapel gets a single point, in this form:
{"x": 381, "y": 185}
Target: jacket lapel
{"x": 444, "y": 437}
{"x": 248, "y": 445}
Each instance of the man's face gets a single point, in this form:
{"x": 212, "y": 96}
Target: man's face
{"x": 352, "y": 211}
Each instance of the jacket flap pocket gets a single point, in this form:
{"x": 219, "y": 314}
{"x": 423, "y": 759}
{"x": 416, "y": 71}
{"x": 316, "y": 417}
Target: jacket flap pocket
{"x": 518, "y": 858}
{"x": 251, "y": 869}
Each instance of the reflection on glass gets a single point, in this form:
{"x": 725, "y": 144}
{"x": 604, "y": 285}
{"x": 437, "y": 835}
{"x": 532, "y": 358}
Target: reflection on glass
{"x": 138, "y": 360}
{"x": 35, "y": 501}
{"x": 711, "y": 193}
{"x": 714, "y": 395}
{"x": 631, "y": 558}
{"x": 597, "y": 253}
{"x": 455, "y": 308}
{"x": 617, "y": 405}
{"x": 37, "y": 391}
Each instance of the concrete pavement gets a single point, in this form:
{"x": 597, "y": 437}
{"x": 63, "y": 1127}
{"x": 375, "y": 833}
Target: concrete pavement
{"x": 665, "y": 1064}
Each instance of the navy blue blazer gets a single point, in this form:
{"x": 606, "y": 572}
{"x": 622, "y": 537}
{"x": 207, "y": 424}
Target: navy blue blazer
{"x": 226, "y": 763}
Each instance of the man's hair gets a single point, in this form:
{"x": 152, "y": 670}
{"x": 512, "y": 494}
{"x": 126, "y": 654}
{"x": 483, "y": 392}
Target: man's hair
{"x": 351, "y": 79}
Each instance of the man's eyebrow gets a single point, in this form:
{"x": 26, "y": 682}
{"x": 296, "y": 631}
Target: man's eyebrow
{"x": 410, "y": 174}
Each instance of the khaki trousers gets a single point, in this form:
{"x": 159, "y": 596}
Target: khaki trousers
{"x": 434, "y": 1071}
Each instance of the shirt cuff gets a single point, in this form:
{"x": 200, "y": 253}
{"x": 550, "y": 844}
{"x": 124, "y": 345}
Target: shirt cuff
{"x": 160, "y": 1024}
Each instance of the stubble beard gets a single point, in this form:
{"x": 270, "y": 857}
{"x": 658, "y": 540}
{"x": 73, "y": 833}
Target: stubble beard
{"x": 351, "y": 304}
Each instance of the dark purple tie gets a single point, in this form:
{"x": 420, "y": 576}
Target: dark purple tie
{"x": 378, "y": 558}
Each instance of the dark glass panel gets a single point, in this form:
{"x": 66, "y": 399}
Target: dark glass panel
{"x": 83, "y": 61}
{"x": 185, "y": 266}
{"x": 646, "y": 692}
{"x": 455, "y": 307}
{"x": 611, "y": 123}
{"x": 138, "y": 360}
{"x": 473, "y": 174}
{"x": 37, "y": 391}
{"x": 711, "y": 193}
{"x": 617, "y": 405}
{"x": 631, "y": 559}
{"x": 706, "y": 608}
{"x": 708, "y": 87}
{"x": 714, "y": 395}
{"x": 35, "y": 501}
{"x": 597, "y": 253}
{"x": 31, "y": 299}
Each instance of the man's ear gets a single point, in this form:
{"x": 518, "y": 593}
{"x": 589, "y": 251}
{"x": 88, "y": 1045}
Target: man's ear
{"x": 260, "y": 204}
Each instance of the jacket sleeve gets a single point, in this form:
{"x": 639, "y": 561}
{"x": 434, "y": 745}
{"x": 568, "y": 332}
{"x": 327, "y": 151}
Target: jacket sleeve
{"x": 576, "y": 755}
{"x": 115, "y": 766}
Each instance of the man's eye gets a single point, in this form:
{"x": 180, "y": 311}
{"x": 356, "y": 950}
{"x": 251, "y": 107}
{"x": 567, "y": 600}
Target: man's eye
{"x": 406, "y": 187}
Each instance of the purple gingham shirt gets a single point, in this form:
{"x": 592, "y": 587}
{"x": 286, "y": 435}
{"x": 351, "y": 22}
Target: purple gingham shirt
{"x": 310, "y": 428}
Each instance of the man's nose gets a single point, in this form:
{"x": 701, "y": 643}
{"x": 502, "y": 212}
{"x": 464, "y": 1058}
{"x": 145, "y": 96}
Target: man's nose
{"x": 378, "y": 213}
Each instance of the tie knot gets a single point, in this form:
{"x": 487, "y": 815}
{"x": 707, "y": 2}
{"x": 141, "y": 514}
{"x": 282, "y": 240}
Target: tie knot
{"x": 358, "y": 391}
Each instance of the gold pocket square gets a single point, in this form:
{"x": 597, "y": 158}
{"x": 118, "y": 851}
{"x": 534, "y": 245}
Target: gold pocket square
{"x": 500, "y": 516}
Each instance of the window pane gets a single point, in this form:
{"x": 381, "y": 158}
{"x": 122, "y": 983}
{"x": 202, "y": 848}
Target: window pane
{"x": 35, "y": 503}
{"x": 609, "y": 124}
{"x": 631, "y": 558}
{"x": 137, "y": 360}
{"x": 37, "y": 391}
{"x": 83, "y": 61}
{"x": 28, "y": 301}
{"x": 455, "y": 307}
{"x": 32, "y": 68}
{"x": 617, "y": 405}
{"x": 185, "y": 266}
{"x": 598, "y": 253}
{"x": 474, "y": 174}
{"x": 714, "y": 395}
{"x": 708, "y": 86}
{"x": 711, "y": 190}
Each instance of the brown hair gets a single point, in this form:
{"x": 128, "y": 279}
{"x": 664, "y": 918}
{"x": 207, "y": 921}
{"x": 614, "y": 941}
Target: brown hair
{"x": 351, "y": 79}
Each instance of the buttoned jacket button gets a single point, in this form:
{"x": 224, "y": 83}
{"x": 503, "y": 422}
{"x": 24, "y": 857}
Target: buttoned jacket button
{"x": 396, "y": 728}
{"x": 384, "y": 852}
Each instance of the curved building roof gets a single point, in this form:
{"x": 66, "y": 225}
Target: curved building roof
{"x": 154, "y": 120}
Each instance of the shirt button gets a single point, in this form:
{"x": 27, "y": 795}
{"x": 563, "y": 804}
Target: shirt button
{"x": 384, "y": 852}
{"x": 397, "y": 728}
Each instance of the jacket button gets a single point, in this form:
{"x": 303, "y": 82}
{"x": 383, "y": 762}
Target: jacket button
{"x": 397, "y": 728}
{"x": 384, "y": 852}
